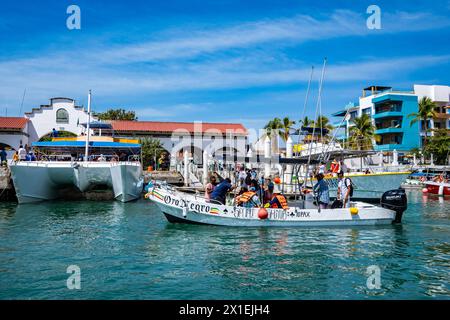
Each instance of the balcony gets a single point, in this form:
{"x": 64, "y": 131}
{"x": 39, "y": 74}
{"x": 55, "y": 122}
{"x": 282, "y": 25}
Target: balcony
{"x": 387, "y": 114}
{"x": 387, "y": 147}
{"x": 442, "y": 116}
{"x": 389, "y": 130}
{"x": 339, "y": 124}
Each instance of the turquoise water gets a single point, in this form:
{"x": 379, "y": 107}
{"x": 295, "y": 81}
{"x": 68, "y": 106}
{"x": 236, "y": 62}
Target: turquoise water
{"x": 129, "y": 251}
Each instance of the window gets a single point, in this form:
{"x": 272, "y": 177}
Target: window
{"x": 62, "y": 116}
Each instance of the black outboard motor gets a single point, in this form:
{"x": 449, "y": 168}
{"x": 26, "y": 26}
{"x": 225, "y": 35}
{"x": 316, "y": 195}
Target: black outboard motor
{"x": 395, "y": 200}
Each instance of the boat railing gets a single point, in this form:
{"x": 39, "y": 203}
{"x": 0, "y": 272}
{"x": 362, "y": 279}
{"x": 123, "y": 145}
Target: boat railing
{"x": 104, "y": 157}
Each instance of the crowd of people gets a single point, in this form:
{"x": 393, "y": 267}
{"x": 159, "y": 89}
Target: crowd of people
{"x": 251, "y": 191}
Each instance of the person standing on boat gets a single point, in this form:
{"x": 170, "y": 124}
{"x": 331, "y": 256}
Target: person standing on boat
{"x": 3, "y": 156}
{"x": 22, "y": 153}
{"x": 322, "y": 192}
{"x": 344, "y": 189}
{"x": 210, "y": 187}
{"x": 220, "y": 191}
{"x": 335, "y": 166}
{"x": 322, "y": 168}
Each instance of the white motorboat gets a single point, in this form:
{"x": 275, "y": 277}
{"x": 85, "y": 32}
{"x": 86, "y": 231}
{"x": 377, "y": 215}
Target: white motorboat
{"x": 179, "y": 207}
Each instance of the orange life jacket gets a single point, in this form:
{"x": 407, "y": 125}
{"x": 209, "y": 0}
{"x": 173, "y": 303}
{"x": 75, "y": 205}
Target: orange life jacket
{"x": 246, "y": 197}
{"x": 334, "y": 167}
{"x": 281, "y": 200}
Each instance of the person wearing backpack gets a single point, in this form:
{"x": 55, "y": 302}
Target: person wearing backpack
{"x": 345, "y": 189}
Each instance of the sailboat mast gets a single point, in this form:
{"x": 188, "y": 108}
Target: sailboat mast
{"x": 86, "y": 150}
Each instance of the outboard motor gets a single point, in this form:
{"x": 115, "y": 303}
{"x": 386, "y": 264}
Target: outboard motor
{"x": 395, "y": 200}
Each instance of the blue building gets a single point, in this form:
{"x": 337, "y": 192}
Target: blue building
{"x": 389, "y": 111}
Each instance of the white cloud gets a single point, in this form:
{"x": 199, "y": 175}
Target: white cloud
{"x": 119, "y": 71}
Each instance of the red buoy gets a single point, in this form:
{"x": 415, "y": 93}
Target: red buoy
{"x": 425, "y": 190}
{"x": 263, "y": 214}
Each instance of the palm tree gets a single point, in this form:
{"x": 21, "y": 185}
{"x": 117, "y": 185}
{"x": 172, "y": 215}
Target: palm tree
{"x": 323, "y": 122}
{"x": 426, "y": 111}
{"x": 362, "y": 132}
{"x": 272, "y": 130}
{"x": 286, "y": 126}
{"x": 306, "y": 122}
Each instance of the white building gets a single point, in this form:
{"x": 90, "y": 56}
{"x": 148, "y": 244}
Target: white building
{"x": 62, "y": 114}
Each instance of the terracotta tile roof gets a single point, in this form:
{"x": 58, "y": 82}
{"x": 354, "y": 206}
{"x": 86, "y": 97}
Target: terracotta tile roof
{"x": 12, "y": 122}
{"x": 166, "y": 127}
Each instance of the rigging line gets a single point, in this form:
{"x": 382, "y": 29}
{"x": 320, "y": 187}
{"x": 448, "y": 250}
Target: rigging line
{"x": 314, "y": 128}
{"x": 318, "y": 104}
{"x": 335, "y": 131}
{"x": 23, "y": 98}
{"x": 306, "y": 102}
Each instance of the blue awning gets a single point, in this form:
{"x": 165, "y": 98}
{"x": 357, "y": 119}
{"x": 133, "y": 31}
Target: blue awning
{"x": 81, "y": 144}
{"x": 97, "y": 125}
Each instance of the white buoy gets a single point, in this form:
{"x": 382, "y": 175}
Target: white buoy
{"x": 185, "y": 168}
{"x": 395, "y": 158}
{"x": 205, "y": 167}
{"x": 267, "y": 155}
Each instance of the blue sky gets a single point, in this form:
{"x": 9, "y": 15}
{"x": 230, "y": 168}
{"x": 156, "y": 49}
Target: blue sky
{"x": 223, "y": 60}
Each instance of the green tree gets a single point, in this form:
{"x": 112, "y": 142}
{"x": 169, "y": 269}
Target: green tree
{"x": 286, "y": 126}
{"x": 426, "y": 112}
{"x": 61, "y": 134}
{"x": 306, "y": 122}
{"x": 439, "y": 146}
{"x": 151, "y": 148}
{"x": 116, "y": 114}
{"x": 362, "y": 133}
{"x": 324, "y": 123}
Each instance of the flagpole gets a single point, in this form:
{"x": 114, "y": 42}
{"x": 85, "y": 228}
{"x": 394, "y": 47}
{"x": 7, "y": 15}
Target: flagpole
{"x": 86, "y": 150}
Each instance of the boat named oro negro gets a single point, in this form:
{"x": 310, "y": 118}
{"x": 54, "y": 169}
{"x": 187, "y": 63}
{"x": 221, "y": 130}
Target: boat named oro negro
{"x": 113, "y": 164}
{"x": 179, "y": 207}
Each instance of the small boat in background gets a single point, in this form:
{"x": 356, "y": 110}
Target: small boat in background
{"x": 439, "y": 188}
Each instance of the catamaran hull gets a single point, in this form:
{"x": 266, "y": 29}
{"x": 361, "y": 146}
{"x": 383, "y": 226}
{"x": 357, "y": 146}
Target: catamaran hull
{"x": 180, "y": 209}
{"x": 40, "y": 181}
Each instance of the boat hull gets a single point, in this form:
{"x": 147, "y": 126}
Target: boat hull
{"x": 185, "y": 209}
{"x": 40, "y": 181}
{"x": 442, "y": 189}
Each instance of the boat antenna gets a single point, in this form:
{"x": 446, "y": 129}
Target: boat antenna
{"x": 23, "y": 98}
{"x": 86, "y": 150}
{"x": 314, "y": 128}
{"x": 306, "y": 101}
{"x": 317, "y": 106}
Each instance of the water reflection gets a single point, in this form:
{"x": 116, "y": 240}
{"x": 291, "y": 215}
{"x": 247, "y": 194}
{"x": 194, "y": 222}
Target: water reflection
{"x": 130, "y": 250}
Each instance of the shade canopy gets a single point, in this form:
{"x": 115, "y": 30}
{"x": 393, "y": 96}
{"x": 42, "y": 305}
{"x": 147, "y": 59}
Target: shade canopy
{"x": 97, "y": 125}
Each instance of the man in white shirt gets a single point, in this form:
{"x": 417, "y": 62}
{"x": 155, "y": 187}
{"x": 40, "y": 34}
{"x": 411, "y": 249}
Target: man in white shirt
{"x": 22, "y": 153}
{"x": 344, "y": 187}
{"x": 322, "y": 168}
